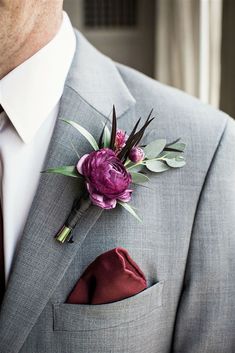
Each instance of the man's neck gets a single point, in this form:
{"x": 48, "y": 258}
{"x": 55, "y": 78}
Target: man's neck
{"x": 41, "y": 34}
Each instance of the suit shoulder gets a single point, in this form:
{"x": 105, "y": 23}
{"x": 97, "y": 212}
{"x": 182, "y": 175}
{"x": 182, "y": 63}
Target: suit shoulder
{"x": 178, "y": 114}
{"x": 177, "y": 106}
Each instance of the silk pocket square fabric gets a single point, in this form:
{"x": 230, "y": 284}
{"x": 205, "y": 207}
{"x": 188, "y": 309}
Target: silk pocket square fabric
{"x": 111, "y": 277}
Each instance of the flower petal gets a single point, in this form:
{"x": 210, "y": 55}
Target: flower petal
{"x": 100, "y": 201}
{"x": 80, "y": 163}
{"x": 125, "y": 196}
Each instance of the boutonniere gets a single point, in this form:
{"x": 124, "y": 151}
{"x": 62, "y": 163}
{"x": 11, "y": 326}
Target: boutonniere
{"x": 118, "y": 161}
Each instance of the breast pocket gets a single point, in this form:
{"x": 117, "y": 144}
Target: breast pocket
{"x": 128, "y": 325}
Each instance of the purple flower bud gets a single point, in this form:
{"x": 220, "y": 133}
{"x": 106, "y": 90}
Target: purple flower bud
{"x": 136, "y": 154}
{"x": 120, "y": 139}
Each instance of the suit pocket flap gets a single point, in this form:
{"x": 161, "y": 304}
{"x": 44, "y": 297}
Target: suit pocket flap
{"x": 81, "y": 317}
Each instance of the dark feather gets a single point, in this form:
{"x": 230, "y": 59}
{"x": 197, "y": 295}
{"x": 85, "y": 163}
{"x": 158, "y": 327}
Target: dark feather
{"x": 143, "y": 130}
{"x": 134, "y": 130}
{"x": 101, "y": 137}
{"x": 133, "y": 141}
{"x": 172, "y": 149}
{"x": 172, "y": 143}
{"x": 135, "y": 138}
{"x": 149, "y": 114}
{"x": 130, "y": 138}
{"x": 114, "y": 129}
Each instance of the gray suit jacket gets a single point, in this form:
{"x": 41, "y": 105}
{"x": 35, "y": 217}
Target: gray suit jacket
{"x": 185, "y": 246}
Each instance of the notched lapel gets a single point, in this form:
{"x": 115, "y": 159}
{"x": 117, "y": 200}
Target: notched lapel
{"x": 41, "y": 262}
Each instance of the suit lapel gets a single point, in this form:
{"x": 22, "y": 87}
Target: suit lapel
{"x": 41, "y": 262}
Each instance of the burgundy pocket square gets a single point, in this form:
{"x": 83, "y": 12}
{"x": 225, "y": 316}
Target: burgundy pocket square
{"x": 111, "y": 277}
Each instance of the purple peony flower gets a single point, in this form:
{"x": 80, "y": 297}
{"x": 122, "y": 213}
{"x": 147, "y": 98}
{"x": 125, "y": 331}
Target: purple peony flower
{"x": 107, "y": 179}
{"x": 120, "y": 139}
{"x": 136, "y": 154}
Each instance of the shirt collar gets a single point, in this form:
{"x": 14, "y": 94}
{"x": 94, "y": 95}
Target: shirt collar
{"x": 30, "y": 92}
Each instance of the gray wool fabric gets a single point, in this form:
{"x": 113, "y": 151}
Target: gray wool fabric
{"x": 185, "y": 245}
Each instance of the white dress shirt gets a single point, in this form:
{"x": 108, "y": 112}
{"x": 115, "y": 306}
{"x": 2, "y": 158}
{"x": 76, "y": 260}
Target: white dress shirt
{"x": 30, "y": 96}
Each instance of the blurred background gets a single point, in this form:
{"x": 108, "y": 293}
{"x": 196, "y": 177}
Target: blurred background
{"x": 188, "y": 44}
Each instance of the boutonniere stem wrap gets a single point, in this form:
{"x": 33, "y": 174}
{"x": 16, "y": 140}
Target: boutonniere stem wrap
{"x": 79, "y": 208}
{"x": 118, "y": 161}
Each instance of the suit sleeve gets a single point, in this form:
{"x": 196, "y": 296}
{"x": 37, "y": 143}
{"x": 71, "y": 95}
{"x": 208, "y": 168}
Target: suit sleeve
{"x": 205, "y": 320}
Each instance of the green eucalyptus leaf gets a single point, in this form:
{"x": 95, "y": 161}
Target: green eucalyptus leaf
{"x": 106, "y": 137}
{"x": 177, "y": 162}
{"x": 138, "y": 178}
{"x": 84, "y": 132}
{"x": 134, "y": 167}
{"x": 65, "y": 170}
{"x": 156, "y": 166}
{"x": 180, "y": 146}
{"x": 137, "y": 168}
{"x": 170, "y": 155}
{"x": 129, "y": 209}
{"x": 154, "y": 148}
